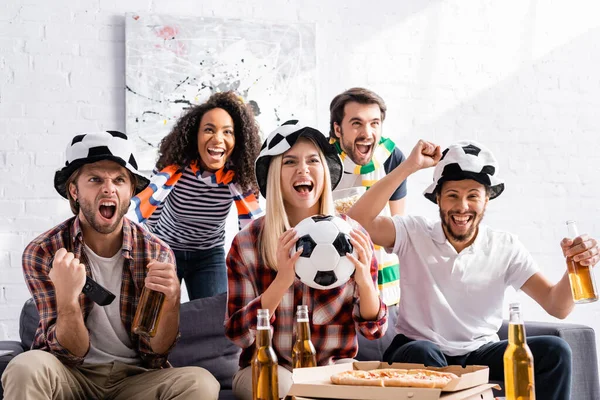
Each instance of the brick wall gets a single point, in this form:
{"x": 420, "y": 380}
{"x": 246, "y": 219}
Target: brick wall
{"x": 519, "y": 76}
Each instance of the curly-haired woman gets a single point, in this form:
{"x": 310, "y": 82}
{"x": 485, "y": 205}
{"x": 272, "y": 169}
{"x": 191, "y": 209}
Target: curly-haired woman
{"x": 205, "y": 163}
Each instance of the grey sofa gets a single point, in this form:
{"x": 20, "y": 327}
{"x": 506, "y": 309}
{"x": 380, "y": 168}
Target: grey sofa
{"x": 204, "y": 344}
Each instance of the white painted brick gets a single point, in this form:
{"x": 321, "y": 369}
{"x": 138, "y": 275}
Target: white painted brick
{"x": 15, "y": 293}
{"x": 103, "y": 50}
{"x": 45, "y": 208}
{"x": 10, "y": 109}
{"x": 9, "y": 10}
{"x": 11, "y": 208}
{"x": 11, "y": 45}
{"x": 4, "y": 259}
{"x": 10, "y": 241}
{"x": 18, "y": 158}
{"x": 9, "y": 312}
{"x": 44, "y": 12}
{"x": 51, "y": 111}
{"x": 40, "y": 143}
{"x": 20, "y": 191}
{"x": 57, "y": 32}
{"x": 33, "y": 224}
{"x": 99, "y": 113}
{"x": 9, "y": 140}
{"x": 67, "y": 128}
{"x": 21, "y": 30}
{"x": 15, "y": 259}
{"x": 115, "y": 33}
{"x": 67, "y": 47}
{"x": 21, "y": 126}
{"x": 49, "y": 159}
{"x": 12, "y": 275}
{"x": 92, "y": 15}
{"x": 96, "y": 74}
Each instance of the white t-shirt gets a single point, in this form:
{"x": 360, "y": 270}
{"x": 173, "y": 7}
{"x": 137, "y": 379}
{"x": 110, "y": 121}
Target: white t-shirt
{"x": 455, "y": 300}
{"x": 109, "y": 340}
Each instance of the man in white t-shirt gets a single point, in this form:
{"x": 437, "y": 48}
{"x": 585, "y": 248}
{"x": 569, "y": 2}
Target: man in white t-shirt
{"x": 84, "y": 346}
{"x": 456, "y": 270}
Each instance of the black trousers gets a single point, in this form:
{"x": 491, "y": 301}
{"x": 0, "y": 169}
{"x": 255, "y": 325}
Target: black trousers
{"x": 551, "y": 361}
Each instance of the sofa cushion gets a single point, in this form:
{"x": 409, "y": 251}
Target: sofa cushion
{"x": 203, "y": 342}
{"x": 28, "y": 323}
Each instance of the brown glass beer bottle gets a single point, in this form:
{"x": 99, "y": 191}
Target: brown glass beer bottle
{"x": 581, "y": 277}
{"x": 265, "y": 385}
{"x": 303, "y": 351}
{"x": 518, "y": 360}
{"x": 148, "y": 312}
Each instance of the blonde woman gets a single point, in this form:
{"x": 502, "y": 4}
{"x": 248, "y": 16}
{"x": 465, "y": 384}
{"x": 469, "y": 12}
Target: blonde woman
{"x": 296, "y": 171}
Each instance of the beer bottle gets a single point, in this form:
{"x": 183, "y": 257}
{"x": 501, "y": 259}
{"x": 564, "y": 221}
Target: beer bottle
{"x": 265, "y": 385}
{"x": 303, "y": 352}
{"x": 149, "y": 308}
{"x": 581, "y": 277}
{"x": 518, "y": 360}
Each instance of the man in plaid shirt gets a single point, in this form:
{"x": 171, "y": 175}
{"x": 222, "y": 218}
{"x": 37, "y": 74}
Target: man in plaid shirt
{"x": 82, "y": 349}
{"x": 261, "y": 271}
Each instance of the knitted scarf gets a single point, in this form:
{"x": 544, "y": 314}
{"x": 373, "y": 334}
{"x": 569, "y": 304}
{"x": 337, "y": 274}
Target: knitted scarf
{"x": 388, "y": 280}
{"x": 161, "y": 184}
{"x": 373, "y": 170}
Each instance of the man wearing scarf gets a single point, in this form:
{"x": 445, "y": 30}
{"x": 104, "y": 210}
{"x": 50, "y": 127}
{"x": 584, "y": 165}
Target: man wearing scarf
{"x": 356, "y": 119}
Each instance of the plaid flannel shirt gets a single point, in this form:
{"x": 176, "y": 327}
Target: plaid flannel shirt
{"x": 139, "y": 248}
{"x": 335, "y": 315}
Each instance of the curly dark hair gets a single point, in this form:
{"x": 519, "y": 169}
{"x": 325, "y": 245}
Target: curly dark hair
{"x": 180, "y": 146}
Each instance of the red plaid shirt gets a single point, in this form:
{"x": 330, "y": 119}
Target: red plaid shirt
{"x": 139, "y": 248}
{"x": 335, "y": 316}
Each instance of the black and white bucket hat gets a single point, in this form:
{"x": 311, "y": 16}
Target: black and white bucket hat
{"x": 466, "y": 159}
{"x": 92, "y": 147}
{"x": 282, "y": 139}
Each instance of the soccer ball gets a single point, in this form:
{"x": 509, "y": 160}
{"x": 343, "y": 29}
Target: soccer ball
{"x": 325, "y": 241}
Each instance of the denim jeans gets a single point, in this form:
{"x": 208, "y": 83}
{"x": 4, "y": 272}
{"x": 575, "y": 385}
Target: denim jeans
{"x": 551, "y": 361}
{"x": 203, "y": 271}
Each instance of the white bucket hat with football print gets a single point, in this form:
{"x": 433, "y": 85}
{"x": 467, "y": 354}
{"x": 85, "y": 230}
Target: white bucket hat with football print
{"x": 92, "y": 147}
{"x": 282, "y": 139}
{"x": 466, "y": 159}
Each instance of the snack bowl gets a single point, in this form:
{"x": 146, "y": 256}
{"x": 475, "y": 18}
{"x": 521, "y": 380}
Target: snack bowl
{"x": 344, "y": 199}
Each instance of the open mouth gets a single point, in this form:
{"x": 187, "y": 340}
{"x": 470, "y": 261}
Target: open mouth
{"x": 364, "y": 148}
{"x": 215, "y": 152}
{"x": 108, "y": 209}
{"x": 304, "y": 187}
{"x": 461, "y": 219}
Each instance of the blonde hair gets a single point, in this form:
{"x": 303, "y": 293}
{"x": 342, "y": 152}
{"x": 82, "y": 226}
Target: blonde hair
{"x": 276, "y": 219}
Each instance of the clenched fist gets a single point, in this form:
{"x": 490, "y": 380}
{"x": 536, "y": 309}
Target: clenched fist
{"x": 68, "y": 276}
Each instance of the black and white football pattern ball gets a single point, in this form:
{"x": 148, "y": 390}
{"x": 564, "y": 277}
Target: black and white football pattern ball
{"x": 325, "y": 241}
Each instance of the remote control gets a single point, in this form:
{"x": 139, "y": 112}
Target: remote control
{"x": 97, "y": 293}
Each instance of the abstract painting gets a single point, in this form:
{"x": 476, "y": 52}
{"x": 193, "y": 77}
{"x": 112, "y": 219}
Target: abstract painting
{"x": 173, "y": 63}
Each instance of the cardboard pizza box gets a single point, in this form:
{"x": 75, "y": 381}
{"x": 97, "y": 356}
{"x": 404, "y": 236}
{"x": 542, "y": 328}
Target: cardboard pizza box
{"x": 481, "y": 392}
{"x": 315, "y": 383}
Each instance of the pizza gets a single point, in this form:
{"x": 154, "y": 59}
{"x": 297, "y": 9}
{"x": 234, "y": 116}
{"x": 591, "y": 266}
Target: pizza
{"x": 390, "y": 377}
